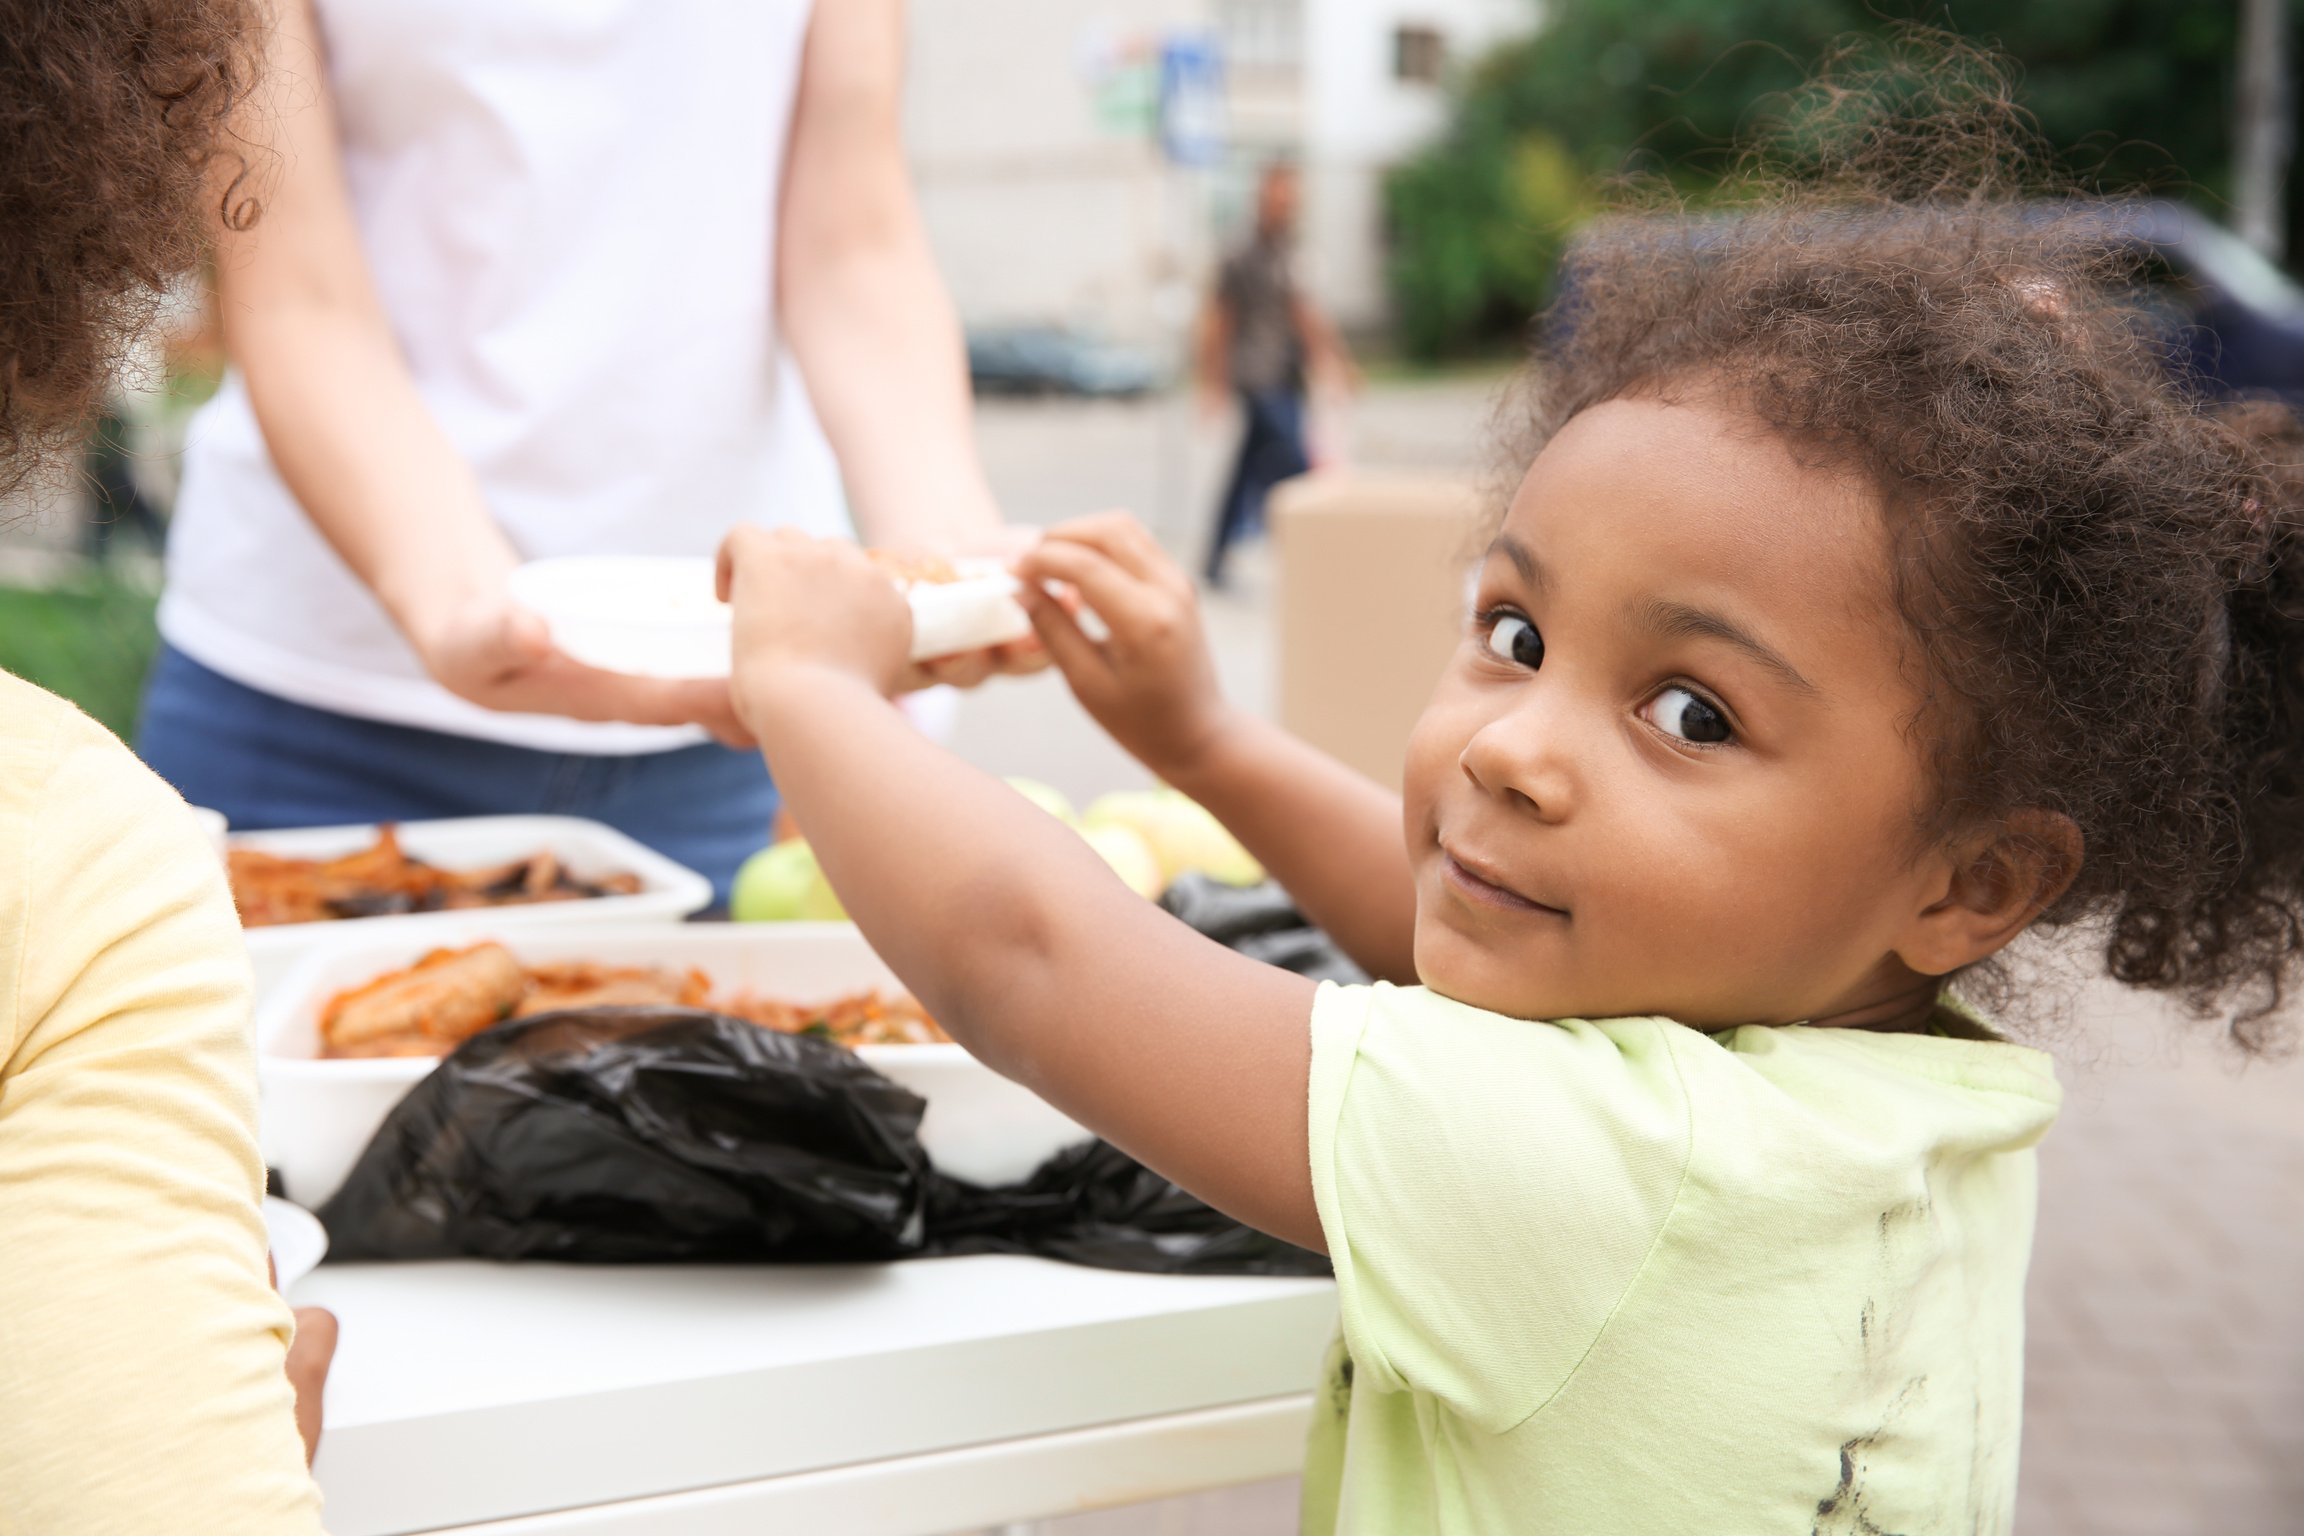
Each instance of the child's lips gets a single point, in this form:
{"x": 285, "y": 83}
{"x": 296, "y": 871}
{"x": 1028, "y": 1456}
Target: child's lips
{"x": 1479, "y": 884}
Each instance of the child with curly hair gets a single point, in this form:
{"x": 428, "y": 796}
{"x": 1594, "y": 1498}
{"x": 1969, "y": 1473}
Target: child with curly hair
{"x": 1871, "y": 596}
{"x": 151, "y": 1379}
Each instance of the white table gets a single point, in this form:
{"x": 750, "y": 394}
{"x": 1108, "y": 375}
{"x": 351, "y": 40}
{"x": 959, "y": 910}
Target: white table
{"x": 904, "y": 1399}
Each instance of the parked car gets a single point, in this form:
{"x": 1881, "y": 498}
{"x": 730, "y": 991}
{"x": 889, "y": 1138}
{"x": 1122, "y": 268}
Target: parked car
{"x": 1050, "y": 360}
{"x": 2231, "y": 318}
{"x": 2235, "y": 321}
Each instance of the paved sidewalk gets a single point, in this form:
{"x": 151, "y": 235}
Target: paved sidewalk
{"x": 2165, "y": 1388}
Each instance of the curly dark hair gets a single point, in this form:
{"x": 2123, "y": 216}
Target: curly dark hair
{"x": 115, "y": 151}
{"x": 2102, "y": 568}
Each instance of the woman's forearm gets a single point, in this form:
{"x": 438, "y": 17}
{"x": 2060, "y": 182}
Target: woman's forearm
{"x": 340, "y": 413}
{"x": 880, "y": 350}
{"x": 356, "y": 445}
{"x": 862, "y": 306}
{"x": 1331, "y": 837}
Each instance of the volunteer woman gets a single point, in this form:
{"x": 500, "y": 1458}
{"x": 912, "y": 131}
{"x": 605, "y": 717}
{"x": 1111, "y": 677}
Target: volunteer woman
{"x": 539, "y": 279}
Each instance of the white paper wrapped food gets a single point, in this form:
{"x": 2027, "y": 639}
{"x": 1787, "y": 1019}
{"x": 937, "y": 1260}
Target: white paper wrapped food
{"x": 957, "y": 606}
{"x": 656, "y": 615}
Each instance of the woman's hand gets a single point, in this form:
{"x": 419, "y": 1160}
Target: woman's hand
{"x": 496, "y": 653}
{"x": 810, "y": 604}
{"x": 1152, "y": 683}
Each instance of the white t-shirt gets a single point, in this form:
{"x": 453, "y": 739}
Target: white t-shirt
{"x": 570, "y": 213}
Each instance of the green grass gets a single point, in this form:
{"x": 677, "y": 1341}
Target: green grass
{"x": 90, "y": 639}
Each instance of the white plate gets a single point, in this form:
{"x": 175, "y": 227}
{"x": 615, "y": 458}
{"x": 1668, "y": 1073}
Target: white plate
{"x": 319, "y": 1115}
{"x": 647, "y": 615}
{"x": 668, "y": 891}
{"x": 656, "y": 616}
{"x": 299, "y": 1242}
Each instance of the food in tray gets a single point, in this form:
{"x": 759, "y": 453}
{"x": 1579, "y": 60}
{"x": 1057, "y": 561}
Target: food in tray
{"x": 381, "y": 880}
{"x": 450, "y": 995}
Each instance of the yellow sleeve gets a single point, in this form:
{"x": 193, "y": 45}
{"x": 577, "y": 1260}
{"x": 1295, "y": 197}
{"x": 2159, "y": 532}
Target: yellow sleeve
{"x": 1489, "y": 1188}
{"x": 141, "y": 1346}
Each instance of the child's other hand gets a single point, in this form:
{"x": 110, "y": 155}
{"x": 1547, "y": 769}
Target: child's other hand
{"x": 1152, "y": 683}
{"x": 310, "y": 1352}
{"x": 309, "y": 1357}
{"x": 806, "y": 602}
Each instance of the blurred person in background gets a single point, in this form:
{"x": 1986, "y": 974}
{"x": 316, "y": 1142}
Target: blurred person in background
{"x": 542, "y": 282}
{"x": 1263, "y": 339}
{"x": 147, "y": 1377}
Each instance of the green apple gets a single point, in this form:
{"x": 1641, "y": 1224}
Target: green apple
{"x": 820, "y": 903}
{"x": 1131, "y": 858}
{"x": 773, "y": 885}
{"x": 1047, "y": 798}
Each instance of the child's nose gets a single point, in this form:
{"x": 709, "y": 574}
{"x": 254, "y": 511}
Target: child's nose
{"x": 1526, "y": 756}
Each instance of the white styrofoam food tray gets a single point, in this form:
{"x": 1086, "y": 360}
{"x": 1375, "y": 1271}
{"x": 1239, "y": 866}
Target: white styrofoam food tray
{"x": 657, "y": 615}
{"x": 668, "y": 891}
{"x": 320, "y": 1114}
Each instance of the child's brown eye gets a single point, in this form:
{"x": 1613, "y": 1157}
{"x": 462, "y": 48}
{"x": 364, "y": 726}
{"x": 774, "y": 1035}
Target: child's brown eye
{"x": 1689, "y": 716}
{"x": 1515, "y": 639}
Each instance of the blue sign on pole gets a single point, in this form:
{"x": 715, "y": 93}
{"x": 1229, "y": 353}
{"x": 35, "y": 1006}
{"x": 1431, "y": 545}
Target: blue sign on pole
{"x": 1192, "y": 126}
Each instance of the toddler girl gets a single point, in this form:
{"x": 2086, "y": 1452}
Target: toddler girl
{"x": 1870, "y": 596}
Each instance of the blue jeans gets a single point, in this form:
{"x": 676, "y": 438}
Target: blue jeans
{"x": 265, "y": 762}
{"x": 1271, "y": 450}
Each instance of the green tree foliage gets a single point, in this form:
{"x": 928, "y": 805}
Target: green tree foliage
{"x": 2137, "y": 94}
{"x": 90, "y": 640}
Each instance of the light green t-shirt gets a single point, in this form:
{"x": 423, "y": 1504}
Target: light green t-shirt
{"x": 1627, "y": 1277}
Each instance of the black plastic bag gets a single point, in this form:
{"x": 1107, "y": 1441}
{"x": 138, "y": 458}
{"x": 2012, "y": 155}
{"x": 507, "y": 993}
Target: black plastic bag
{"x": 650, "y": 1135}
{"x": 1261, "y": 922}
{"x": 640, "y": 1135}
{"x": 1094, "y": 1204}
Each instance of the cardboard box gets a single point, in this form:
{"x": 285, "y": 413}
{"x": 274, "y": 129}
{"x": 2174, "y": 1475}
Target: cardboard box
{"x": 1372, "y": 572}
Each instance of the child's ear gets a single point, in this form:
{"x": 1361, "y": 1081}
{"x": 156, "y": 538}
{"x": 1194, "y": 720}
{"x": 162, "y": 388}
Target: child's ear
{"x": 1995, "y": 885}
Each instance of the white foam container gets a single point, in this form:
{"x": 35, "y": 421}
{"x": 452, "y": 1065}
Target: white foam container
{"x": 319, "y": 1115}
{"x": 668, "y": 891}
{"x": 646, "y": 615}
{"x": 656, "y": 615}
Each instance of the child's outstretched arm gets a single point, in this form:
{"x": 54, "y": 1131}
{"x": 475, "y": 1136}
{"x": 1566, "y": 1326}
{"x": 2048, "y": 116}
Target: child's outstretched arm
{"x": 1332, "y": 837}
{"x": 1017, "y": 937}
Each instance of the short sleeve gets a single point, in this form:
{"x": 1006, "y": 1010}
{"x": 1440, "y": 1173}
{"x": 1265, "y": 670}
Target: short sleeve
{"x": 1489, "y": 1187}
{"x": 141, "y": 1345}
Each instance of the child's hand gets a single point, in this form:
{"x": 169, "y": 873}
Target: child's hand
{"x": 310, "y": 1352}
{"x": 810, "y": 603}
{"x": 1152, "y": 684}
{"x": 309, "y": 1357}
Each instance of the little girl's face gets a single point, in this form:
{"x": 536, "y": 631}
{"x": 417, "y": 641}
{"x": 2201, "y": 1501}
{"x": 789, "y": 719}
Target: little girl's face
{"x": 1671, "y": 769}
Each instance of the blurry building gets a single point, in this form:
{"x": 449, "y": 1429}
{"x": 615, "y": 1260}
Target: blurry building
{"x": 1071, "y": 174}
{"x": 1032, "y": 127}
{"x": 1373, "y": 72}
